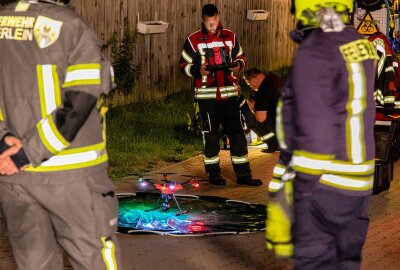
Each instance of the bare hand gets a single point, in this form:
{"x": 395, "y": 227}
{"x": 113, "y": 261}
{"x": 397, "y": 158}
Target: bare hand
{"x": 203, "y": 70}
{"x": 7, "y": 166}
{"x": 15, "y": 145}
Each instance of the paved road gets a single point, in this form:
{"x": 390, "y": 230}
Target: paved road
{"x": 242, "y": 252}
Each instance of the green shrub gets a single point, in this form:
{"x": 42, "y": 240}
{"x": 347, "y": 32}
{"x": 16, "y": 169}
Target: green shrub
{"x": 122, "y": 55}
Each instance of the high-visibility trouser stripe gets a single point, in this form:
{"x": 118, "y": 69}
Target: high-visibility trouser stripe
{"x": 108, "y": 253}
{"x": 1, "y": 116}
{"x": 397, "y": 104}
{"x": 82, "y": 74}
{"x": 187, "y": 70}
{"x": 355, "y": 108}
{"x": 267, "y": 136}
{"x": 74, "y": 158}
{"x": 348, "y": 183}
{"x": 389, "y": 99}
{"x": 310, "y": 163}
{"x": 389, "y": 69}
{"x": 50, "y": 136}
{"x": 213, "y": 160}
{"x": 239, "y": 160}
{"x": 275, "y": 185}
{"x": 342, "y": 167}
{"x": 49, "y": 88}
{"x": 187, "y": 57}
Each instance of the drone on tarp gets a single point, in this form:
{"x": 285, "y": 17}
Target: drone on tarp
{"x": 167, "y": 190}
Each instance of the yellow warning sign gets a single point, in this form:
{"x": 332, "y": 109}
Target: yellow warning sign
{"x": 367, "y": 25}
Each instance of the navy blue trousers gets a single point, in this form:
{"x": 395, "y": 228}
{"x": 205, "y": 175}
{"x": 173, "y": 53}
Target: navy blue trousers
{"x": 329, "y": 231}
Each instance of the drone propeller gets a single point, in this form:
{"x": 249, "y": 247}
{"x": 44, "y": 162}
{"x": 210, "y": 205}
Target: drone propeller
{"x": 192, "y": 176}
{"x": 165, "y": 173}
{"x": 145, "y": 182}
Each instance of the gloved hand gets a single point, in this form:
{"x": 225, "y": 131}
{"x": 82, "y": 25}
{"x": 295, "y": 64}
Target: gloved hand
{"x": 280, "y": 213}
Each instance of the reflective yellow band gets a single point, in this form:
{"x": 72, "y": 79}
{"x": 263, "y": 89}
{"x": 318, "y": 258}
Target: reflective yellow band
{"x": 75, "y": 158}
{"x": 211, "y": 92}
{"x": 108, "y": 253}
{"x": 356, "y": 105}
{"x": 239, "y": 160}
{"x": 1, "y": 116}
{"x": 49, "y": 88}
{"x": 275, "y": 185}
{"x": 343, "y": 167}
{"x": 280, "y": 134}
{"x": 213, "y": 160}
{"x": 82, "y": 74}
{"x": 267, "y": 136}
{"x": 310, "y": 163}
{"x": 112, "y": 74}
{"x": 279, "y": 170}
{"x": 281, "y": 250}
{"x": 187, "y": 57}
{"x": 187, "y": 70}
{"x": 50, "y": 136}
{"x": 348, "y": 183}
{"x": 22, "y": 6}
{"x": 389, "y": 99}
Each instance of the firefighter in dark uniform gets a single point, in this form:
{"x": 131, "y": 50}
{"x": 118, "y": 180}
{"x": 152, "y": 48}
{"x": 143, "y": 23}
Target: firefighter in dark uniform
{"x": 55, "y": 192}
{"x": 264, "y": 102}
{"x": 213, "y": 56}
{"x": 325, "y": 130}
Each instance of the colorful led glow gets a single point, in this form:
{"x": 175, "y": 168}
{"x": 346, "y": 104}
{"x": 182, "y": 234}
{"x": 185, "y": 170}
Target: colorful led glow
{"x": 208, "y": 214}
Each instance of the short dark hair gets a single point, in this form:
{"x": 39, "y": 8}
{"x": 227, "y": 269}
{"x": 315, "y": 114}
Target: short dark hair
{"x": 209, "y": 10}
{"x": 251, "y": 73}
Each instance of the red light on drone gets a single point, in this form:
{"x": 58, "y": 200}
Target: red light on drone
{"x": 196, "y": 227}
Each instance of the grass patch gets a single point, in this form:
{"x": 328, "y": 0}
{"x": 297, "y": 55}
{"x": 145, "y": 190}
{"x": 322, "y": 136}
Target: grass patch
{"x": 139, "y": 135}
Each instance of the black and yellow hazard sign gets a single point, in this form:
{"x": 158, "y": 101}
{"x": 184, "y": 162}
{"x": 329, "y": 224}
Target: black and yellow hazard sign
{"x": 367, "y": 25}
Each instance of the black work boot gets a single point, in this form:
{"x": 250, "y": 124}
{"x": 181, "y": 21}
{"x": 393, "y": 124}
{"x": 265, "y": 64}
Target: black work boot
{"x": 248, "y": 180}
{"x": 216, "y": 179}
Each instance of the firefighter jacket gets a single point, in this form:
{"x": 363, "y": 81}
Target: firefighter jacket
{"x": 52, "y": 78}
{"x": 385, "y": 83}
{"x": 325, "y": 118}
{"x": 221, "y": 49}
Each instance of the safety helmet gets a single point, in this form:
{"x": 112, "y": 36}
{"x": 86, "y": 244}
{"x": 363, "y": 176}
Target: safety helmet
{"x": 302, "y": 8}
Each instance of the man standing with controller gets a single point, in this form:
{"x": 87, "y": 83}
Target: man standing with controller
{"x": 213, "y": 57}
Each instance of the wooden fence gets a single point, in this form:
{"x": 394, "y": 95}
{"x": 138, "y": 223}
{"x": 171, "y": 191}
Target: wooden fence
{"x": 265, "y": 43}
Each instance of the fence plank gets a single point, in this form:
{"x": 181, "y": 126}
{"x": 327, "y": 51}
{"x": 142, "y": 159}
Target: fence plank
{"x": 266, "y": 43}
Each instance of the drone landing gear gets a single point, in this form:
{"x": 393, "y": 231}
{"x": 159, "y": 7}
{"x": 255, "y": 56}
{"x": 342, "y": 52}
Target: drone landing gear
{"x": 166, "y": 205}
